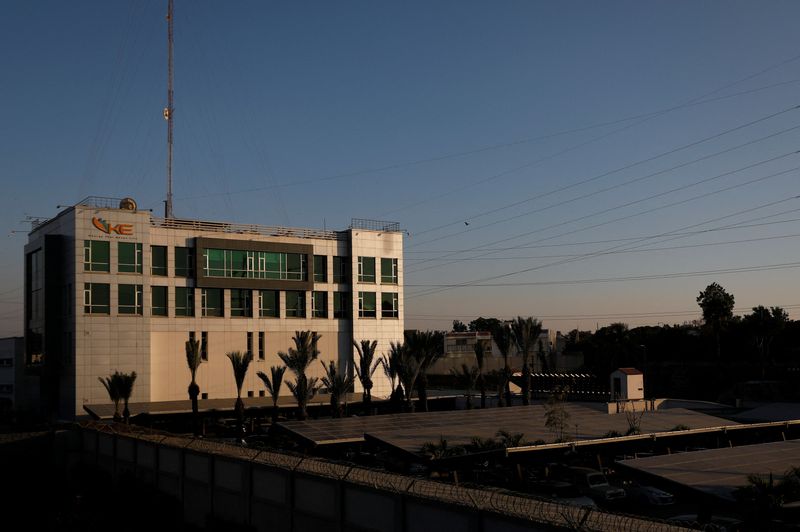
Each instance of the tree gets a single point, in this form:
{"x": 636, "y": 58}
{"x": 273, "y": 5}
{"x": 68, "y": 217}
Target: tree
{"x": 764, "y": 324}
{"x": 239, "y": 363}
{"x": 297, "y": 360}
{"x": 407, "y": 369}
{"x": 466, "y": 376}
{"x": 485, "y": 324}
{"x": 525, "y": 332}
{"x": 459, "y": 326}
{"x": 273, "y": 386}
{"x": 717, "y": 306}
{"x": 193, "y": 360}
{"x": 365, "y": 368}
{"x": 125, "y": 392}
{"x": 390, "y": 364}
{"x": 502, "y": 338}
{"x": 480, "y": 352}
{"x": 426, "y": 347}
{"x": 556, "y": 417}
{"x": 112, "y": 385}
{"x": 338, "y": 383}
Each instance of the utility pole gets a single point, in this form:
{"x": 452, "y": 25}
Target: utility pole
{"x": 169, "y": 111}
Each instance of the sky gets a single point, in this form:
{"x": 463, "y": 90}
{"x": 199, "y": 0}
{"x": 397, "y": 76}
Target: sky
{"x": 580, "y": 162}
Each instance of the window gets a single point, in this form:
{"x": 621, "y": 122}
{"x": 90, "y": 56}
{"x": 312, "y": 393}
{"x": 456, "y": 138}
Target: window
{"x": 262, "y": 393}
{"x": 184, "y": 301}
{"x": 249, "y": 393}
{"x": 341, "y": 305}
{"x": 232, "y": 263}
{"x": 184, "y": 262}
{"x": 192, "y": 336}
{"x": 204, "y": 345}
{"x": 158, "y": 257}
{"x": 96, "y": 256}
{"x": 261, "y": 345}
{"x": 366, "y": 269}
{"x": 129, "y": 257}
{"x": 130, "y": 298}
{"x": 389, "y": 308}
{"x": 341, "y": 272}
{"x": 389, "y": 271}
{"x": 366, "y": 305}
{"x": 319, "y": 304}
{"x": 6, "y": 362}
{"x": 159, "y": 300}
{"x": 242, "y": 303}
{"x": 295, "y": 304}
{"x": 250, "y": 343}
{"x": 211, "y": 302}
{"x": 96, "y": 298}
{"x": 268, "y": 304}
{"x": 320, "y": 268}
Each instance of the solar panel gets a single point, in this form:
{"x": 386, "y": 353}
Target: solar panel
{"x": 721, "y": 471}
{"x": 411, "y": 431}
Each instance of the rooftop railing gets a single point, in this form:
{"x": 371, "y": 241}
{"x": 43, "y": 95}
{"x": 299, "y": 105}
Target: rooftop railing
{"x": 247, "y": 229}
{"x": 374, "y": 225}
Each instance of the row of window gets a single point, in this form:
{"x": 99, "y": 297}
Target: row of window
{"x": 97, "y": 300}
{"x": 231, "y": 263}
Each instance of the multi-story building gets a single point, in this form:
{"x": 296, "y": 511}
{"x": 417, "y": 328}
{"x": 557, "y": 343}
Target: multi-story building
{"x": 10, "y": 372}
{"x": 112, "y": 288}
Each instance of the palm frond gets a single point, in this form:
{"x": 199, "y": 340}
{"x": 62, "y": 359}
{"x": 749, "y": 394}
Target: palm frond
{"x": 240, "y": 362}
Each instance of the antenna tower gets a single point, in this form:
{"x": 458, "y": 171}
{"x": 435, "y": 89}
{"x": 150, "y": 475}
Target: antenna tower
{"x": 169, "y": 111}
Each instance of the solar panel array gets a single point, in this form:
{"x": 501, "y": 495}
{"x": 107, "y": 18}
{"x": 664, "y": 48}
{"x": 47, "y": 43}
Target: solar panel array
{"x": 411, "y": 431}
{"x": 721, "y": 471}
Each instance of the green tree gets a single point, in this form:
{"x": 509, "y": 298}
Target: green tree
{"x": 764, "y": 324}
{"x": 525, "y": 332}
{"x": 337, "y": 383}
{"x": 112, "y": 386}
{"x": 503, "y": 339}
{"x": 125, "y": 392}
{"x": 717, "y": 306}
{"x": 193, "y": 360}
{"x": 466, "y": 376}
{"x": 427, "y": 347}
{"x": 297, "y": 360}
{"x": 365, "y": 368}
{"x": 240, "y": 362}
{"x": 480, "y": 353}
{"x": 459, "y": 326}
{"x": 390, "y": 365}
{"x": 556, "y": 416}
{"x": 407, "y": 369}
{"x": 273, "y": 385}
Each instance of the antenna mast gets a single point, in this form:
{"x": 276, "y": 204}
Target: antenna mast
{"x": 168, "y": 112}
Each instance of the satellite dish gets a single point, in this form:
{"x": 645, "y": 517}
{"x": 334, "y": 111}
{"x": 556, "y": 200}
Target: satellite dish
{"x": 127, "y": 204}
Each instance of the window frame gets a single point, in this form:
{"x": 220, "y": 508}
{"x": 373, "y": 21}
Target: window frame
{"x": 129, "y": 267}
{"x": 157, "y": 269}
{"x": 187, "y": 309}
{"x": 90, "y": 262}
{"x": 393, "y": 311}
{"x": 300, "y": 297}
{"x": 89, "y": 298}
{"x": 128, "y": 309}
{"x": 245, "y": 310}
{"x": 363, "y": 311}
{"x": 392, "y": 277}
{"x": 320, "y": 274}
{"x": 317, "y": 310}
{"x": 363, "y": 275}
{"x": 218, "y": 312}
{"x": 153, "y": 290}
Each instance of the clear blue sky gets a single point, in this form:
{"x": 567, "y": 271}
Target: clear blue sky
{"x": 508, "y": 115}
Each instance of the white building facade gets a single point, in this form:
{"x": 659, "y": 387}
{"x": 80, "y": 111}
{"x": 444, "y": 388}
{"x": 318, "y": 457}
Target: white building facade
{"x": 110, "y": 288}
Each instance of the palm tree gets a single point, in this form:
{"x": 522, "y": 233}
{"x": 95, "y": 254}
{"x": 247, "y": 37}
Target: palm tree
{"x": 337, "y": 383}
{"x": 111, "y": 384}
{"x": 297, "y": 360}
{"x": 407, "y": 370}
{"x": 525, "y": 332}
{"x": 240, "y": 362}
{"x": 193, "y": 360}
{"x": 126, "y": 381}
{"x": 426, "y": 347}
{"x": 467, "y": 376}
{"x": 502, "y": 337}
{"x": 391, "y": 364}
{"x": 480, "y": 352}
{"x": 366, "y": 368}
{"x": 273, "y": 386}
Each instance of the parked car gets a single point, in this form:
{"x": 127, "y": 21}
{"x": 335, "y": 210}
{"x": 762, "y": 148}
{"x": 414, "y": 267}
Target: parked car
{"x": 594, "y": 484}
{"x": 648, "y": 495}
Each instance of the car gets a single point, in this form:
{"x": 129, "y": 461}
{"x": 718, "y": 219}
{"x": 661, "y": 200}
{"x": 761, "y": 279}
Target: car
{"x": 593, "y": 483}
{"x": 560, "y": 491}
{"x": 648, "y": 495}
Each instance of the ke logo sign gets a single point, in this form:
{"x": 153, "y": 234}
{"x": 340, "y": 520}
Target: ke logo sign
{"x": 107, "y": 228}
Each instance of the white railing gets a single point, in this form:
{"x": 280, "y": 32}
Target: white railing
{"x": 249, "y": 229}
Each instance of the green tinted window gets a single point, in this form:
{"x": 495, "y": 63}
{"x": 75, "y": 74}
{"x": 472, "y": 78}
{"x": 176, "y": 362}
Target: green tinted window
{"x": 159, "y": 300}
{"x": 389, "y": 306}
{"x": 129, "y": 257}
{"x": 268, "y": 304}
{"x": 184, "y": 262}
{"x": 341, "y": 305}
{"x": 295, "y": 304}
{"x": 158, "y": 257}
{"x": 96, "y": 298}
{"x": 184, "y": 301}
{"x": 366, "y": 269}
{"x": 320, "y": 268}
{"x": 389, "y": 271}
{"x": 130, "y": 298}
{"x": 96, "y": 256}
{"x": 241, "y": 303}
{"x": 341, "y": 272}
{"x": 212, "y": 302}
{"x": 366, "y": 305}
{"x": 319, "y": 304}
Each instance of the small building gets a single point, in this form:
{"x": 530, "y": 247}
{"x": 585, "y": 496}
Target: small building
{"x": 627, "y": 384}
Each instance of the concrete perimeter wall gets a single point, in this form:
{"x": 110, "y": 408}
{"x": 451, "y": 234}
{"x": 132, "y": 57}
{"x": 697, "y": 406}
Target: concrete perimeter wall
{"x": 267, "y": 491}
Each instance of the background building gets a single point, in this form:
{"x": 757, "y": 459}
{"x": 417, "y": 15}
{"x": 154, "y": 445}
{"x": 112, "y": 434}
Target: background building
{"x": 108, "y": 287}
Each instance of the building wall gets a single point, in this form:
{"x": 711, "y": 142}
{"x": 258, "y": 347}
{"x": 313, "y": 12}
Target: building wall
{"x": 96, "y": 345}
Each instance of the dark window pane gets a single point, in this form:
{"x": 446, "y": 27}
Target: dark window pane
{"x": 295, "y": 304}
{"x": 159, "y": 295}
{"x": 268, "y": 304}
{"x": 158, "y": 257}
{"x": 184, "y": 301}
{"x": 321, "y": 268}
